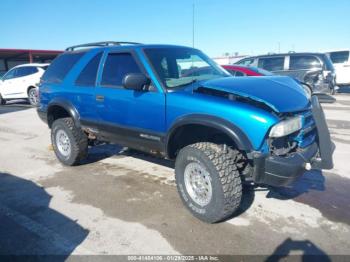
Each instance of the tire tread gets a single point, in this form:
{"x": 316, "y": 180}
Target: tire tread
{"x": 80, "y": 143}
{"x": 226, "y": 162}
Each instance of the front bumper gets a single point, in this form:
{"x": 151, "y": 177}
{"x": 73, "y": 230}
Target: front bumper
{"x": 281, "y": 171}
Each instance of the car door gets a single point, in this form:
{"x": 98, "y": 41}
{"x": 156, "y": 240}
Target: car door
{"x": 300, "y": 66}
{"x": 84, "y": 84}
{"x": 341, "y": 62}
{"x": 308, "y": 69}
{"x": 131, "y": 118}
{"x": 9, "y": 84}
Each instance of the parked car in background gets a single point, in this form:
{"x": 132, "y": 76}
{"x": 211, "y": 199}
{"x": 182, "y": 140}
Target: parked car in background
{"x": 241, "y": 71}
{"x": 314, "y": 69}
{"x": 237, "y": 70}
{"x": 21, "y": 82}
{"x": 341, "y": 62}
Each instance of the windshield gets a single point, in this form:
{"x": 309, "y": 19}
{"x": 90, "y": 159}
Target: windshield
{"x": 178, "y": 67}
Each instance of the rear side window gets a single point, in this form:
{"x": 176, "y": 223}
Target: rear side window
{"x": 60, "y": 67}
{"x": 304, "y": 62}
{"x": 339, "y": 57}
{"x": 271, "y": 63}
{"x": 25, "y": 71}
{"x": 116, "y": 67}
{"x": 88, "y": 75}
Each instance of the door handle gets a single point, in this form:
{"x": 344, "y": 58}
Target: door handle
{"x": 100, "y": 98}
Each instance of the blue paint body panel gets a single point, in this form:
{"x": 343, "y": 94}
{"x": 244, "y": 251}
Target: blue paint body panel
{"x": 281, "y": 93}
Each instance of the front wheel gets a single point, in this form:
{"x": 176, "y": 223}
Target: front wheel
{"x": 208, "y": 180}
{"x": 69, "y": 142}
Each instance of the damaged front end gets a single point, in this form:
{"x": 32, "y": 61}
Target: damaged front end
{"x": 291, "y": 155}
{"x": 299, "y": 141}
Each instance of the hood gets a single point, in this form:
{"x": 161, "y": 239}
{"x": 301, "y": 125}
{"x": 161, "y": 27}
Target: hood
{"x": 281, "y": 93}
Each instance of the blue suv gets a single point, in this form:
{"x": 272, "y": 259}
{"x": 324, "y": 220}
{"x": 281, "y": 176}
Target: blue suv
{"x": 175, "y": 102}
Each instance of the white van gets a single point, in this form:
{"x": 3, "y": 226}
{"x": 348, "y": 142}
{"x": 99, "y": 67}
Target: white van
{"x": 341, "y": 62}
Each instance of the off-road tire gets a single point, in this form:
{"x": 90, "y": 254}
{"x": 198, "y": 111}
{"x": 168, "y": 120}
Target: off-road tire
{"x": 78, "y": 141}
{"x": 223, "y": 165}
{"x": 2, "y": 101}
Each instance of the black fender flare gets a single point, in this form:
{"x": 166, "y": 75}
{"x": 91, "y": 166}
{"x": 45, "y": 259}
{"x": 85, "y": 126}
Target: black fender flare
{"x": 233, "y": 131}
{"x": 66, "y": 105}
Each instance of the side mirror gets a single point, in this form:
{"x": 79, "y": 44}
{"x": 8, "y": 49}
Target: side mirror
{"x": 135, "y": 81}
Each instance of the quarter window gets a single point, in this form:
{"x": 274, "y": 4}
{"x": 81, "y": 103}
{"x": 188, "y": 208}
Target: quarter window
{"x": 339, "y": 57}
{"x": 60, "y": 67}
{"x": 272, "y": 63}
{"x": 88, "y": 75}
{"x": 116, "y": 67}
{"x": 304, "y": 62}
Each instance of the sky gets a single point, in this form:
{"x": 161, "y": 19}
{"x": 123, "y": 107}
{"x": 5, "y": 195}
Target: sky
{"x": 221, "y": 26}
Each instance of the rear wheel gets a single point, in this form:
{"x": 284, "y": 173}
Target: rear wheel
{"x": 33, "y": 96}
{"x": 69, "y": 142}
{"x": 208, "y": 180}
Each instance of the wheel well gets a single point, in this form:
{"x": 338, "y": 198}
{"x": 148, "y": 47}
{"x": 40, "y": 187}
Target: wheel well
{"x": 194, "y": 133}
{"x": 30, "y": 87}
{"x": 55, "y": 112}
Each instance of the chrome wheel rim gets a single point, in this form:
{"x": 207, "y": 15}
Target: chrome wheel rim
{"x": 63, "y": 143}
{"x": 33, "y": 97}
{"x": 198, "y": 183}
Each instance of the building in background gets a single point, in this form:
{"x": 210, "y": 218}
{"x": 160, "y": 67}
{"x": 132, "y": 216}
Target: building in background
{"x": 13, "y": 57}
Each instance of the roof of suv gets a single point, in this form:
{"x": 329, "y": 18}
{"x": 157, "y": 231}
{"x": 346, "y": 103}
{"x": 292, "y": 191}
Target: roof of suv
{"x": 125, "y": 45}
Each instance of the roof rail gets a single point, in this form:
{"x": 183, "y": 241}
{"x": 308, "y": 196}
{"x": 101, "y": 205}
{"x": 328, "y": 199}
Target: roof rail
{"x": 100, "y": 44}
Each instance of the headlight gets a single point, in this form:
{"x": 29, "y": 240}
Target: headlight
{"x": 286, "y": 127}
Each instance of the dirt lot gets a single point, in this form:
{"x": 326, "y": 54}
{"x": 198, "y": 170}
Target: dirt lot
{"x": 126, "y": 203}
